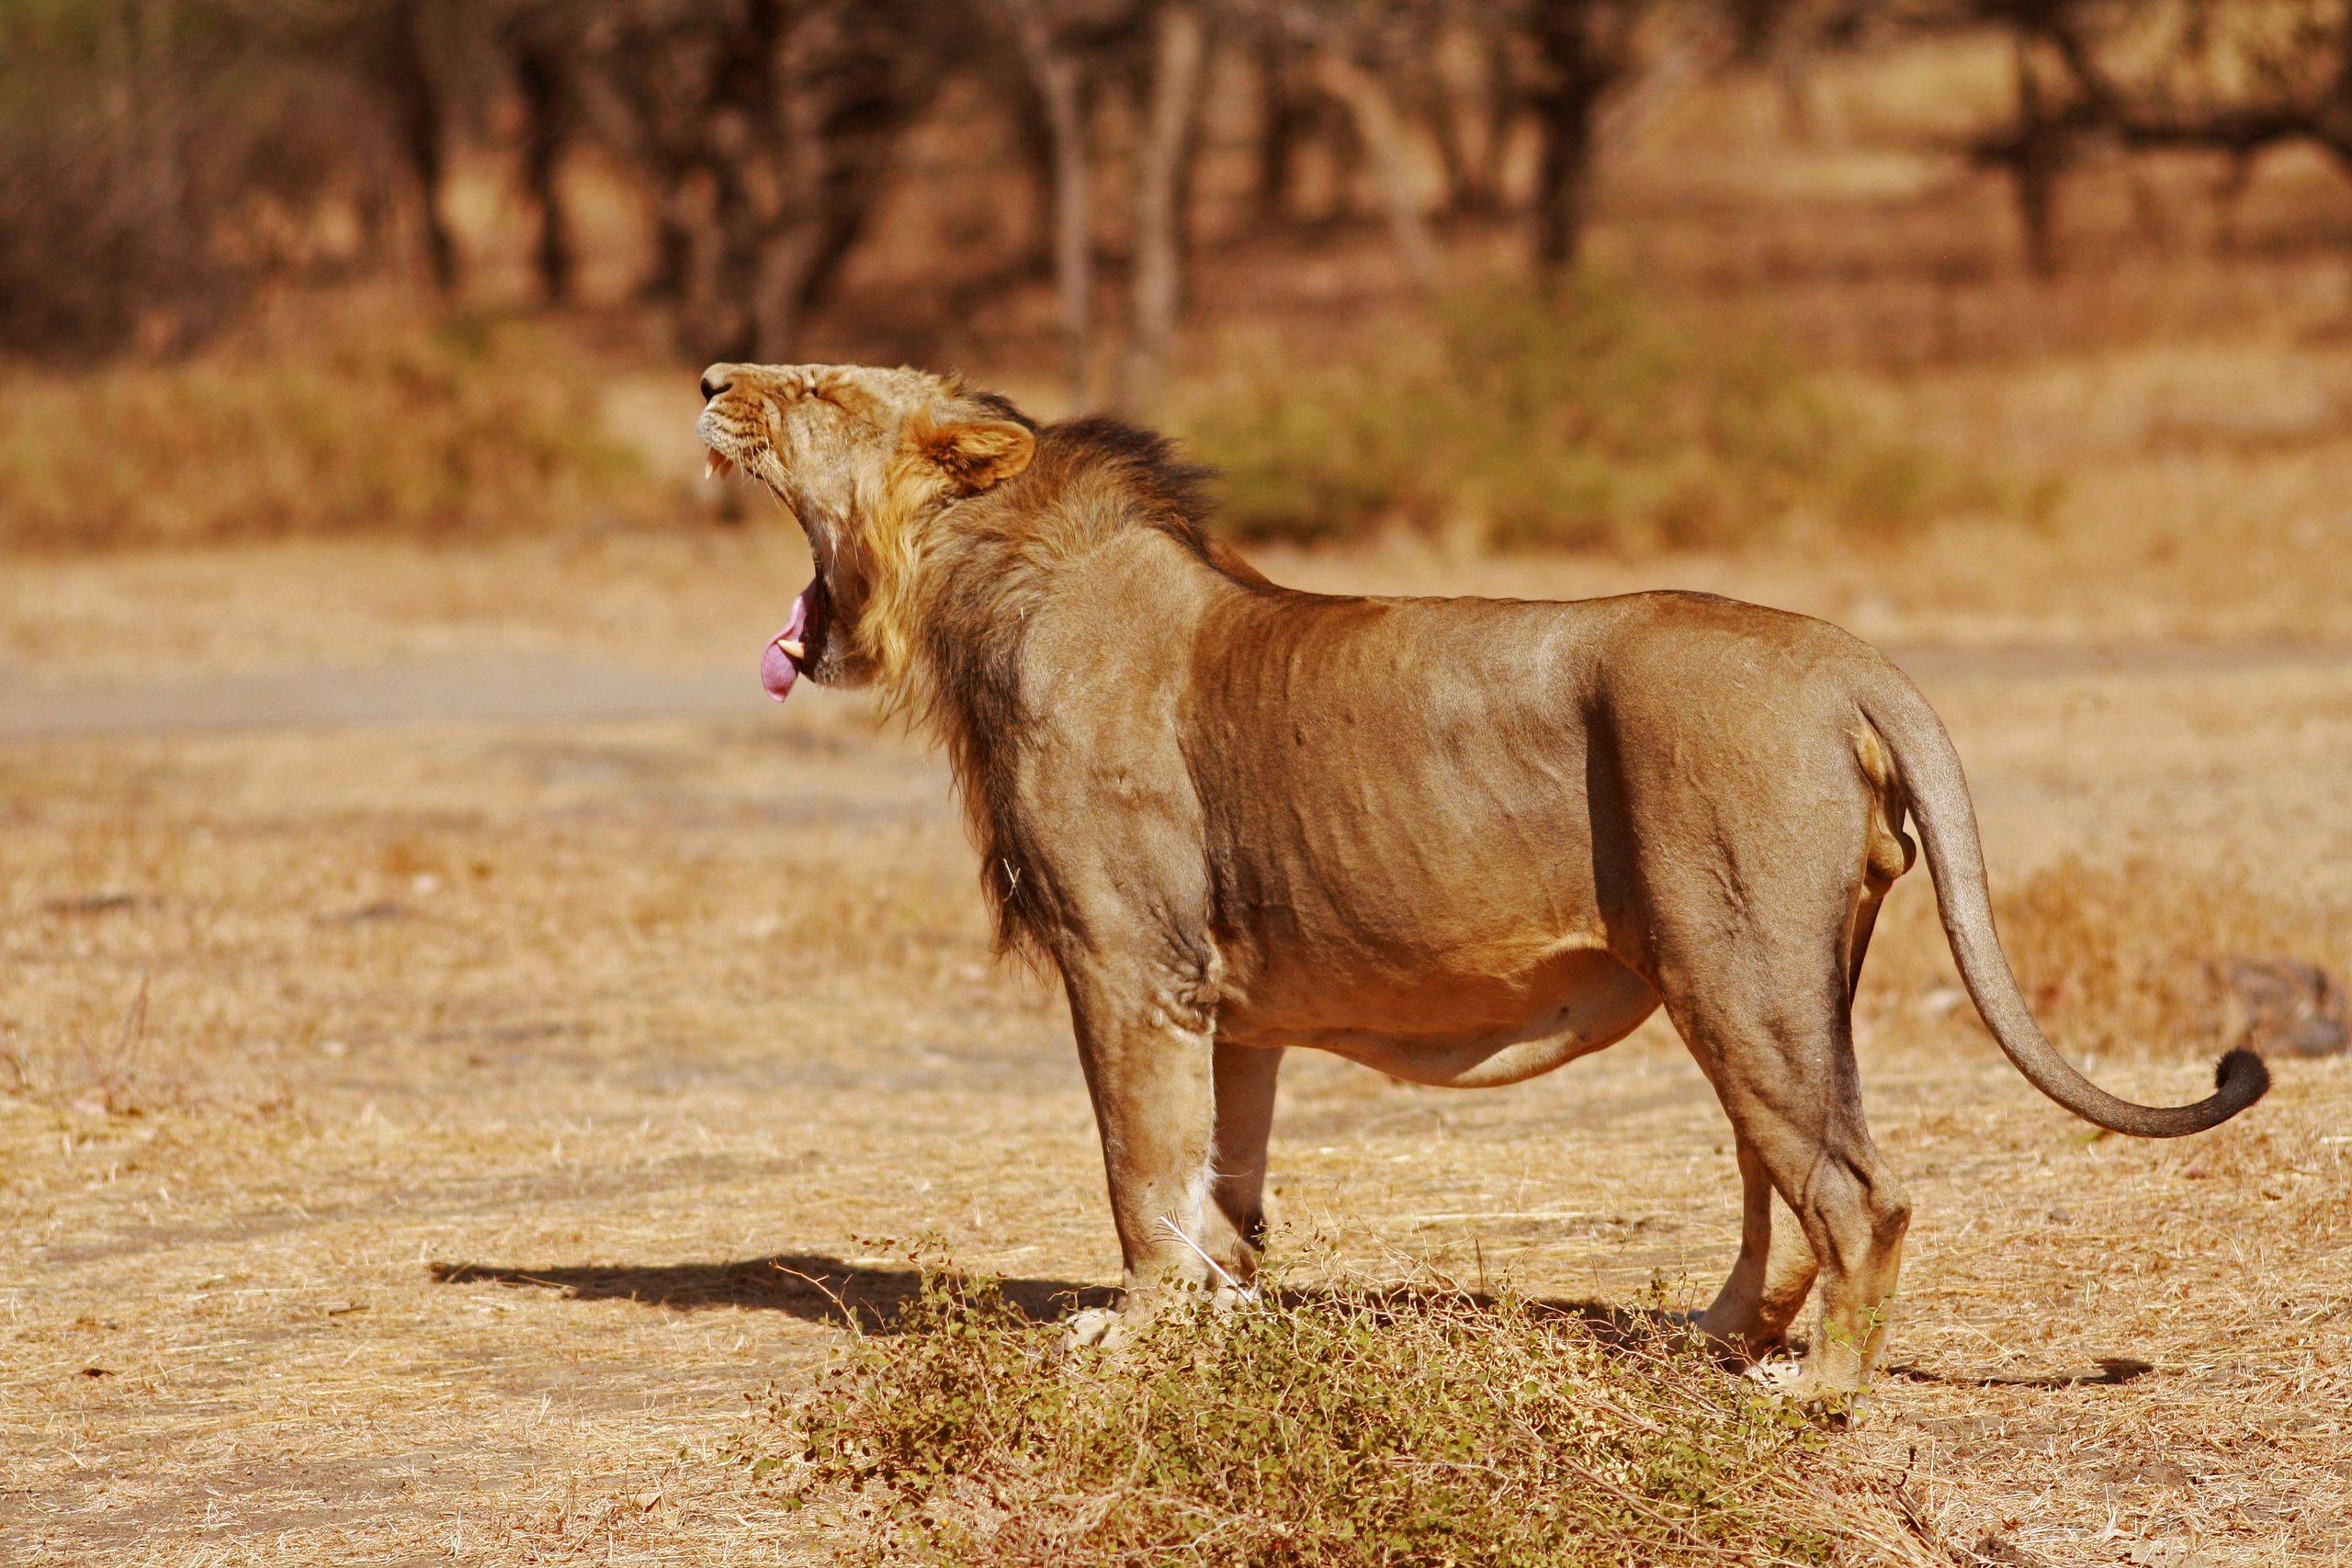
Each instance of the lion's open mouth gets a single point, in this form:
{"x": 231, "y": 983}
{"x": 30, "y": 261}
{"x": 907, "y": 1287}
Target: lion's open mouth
{"x": 788, "y": 651}
{"x": 786, "y": 654}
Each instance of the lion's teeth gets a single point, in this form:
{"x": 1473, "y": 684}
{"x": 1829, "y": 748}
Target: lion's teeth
{"x": 792, "y": 646}
{"x": 713, "y": 466}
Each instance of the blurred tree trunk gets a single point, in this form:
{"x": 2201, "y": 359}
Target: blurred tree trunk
{"x": 418, "y": 112}
{"x": 1180, "y": 52}
{"x": 160, "y": 135}
{"x": 2033, "y": 153}
{"x": 1579, "y": 65}
{"x": 665, "y": 105}
{"x": 720, "y": 315}
{"x": 674, "y": 251}
{"x": 1055, "y": 74}
{"x": 870, "y": 87}
{"x": 1034, "y": 145}
{"x": 1438, "y": 115}
{"x": 771, "y": 131}
{"x": 1187, "y": 165}
{"x": 830, "y": 196}
{"x": 1503, "y": 108}
{"x": 1374, "y": 114}
{"x": 1280, "y": 122}
{"x": 783, "y": 262}
{"x": 2040, "y": 157}
{"x": 1421, "y": 84}
{"x": 542, "y": 79}
{"x": 744, "y": 102}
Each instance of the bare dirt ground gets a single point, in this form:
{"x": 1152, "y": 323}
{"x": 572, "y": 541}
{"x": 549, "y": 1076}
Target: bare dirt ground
{"x": 424, "y": 1121}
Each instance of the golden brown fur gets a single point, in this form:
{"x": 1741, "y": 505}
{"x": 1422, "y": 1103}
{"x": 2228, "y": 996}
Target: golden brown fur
{"x": 1462, "y": 841}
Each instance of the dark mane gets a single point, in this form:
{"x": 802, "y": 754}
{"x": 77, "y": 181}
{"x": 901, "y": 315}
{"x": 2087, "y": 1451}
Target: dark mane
{"x": 1001, "y": 407}
{"x": 1173, "y": 492}
{"x": 1092, "y": 477}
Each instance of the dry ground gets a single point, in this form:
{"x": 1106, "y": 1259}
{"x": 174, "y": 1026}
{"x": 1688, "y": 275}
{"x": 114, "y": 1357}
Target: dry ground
{"x": 417, "y": 1139}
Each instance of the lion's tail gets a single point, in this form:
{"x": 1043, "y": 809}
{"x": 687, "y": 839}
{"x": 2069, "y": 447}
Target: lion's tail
{"x": 1947, "y": 822}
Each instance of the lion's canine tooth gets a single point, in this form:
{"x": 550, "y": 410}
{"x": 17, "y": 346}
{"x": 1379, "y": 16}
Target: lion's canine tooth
{"x": 793, "y": 646}
{"x": 714, "y": 466}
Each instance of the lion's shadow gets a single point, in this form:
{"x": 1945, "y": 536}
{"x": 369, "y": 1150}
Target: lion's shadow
{"x": 818, "y": 1288}
{"x": 809, "y": 1285}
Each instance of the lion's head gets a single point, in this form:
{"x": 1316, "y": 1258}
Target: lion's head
{"x": 865, "y": 460}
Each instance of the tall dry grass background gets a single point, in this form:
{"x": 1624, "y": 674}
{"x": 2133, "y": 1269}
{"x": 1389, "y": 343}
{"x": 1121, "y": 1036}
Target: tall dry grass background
{"x": 471, "y": 1076}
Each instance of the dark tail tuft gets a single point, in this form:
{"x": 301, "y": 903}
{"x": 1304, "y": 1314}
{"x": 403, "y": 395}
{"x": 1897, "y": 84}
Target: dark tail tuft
{"x": 2242, "y": 1075}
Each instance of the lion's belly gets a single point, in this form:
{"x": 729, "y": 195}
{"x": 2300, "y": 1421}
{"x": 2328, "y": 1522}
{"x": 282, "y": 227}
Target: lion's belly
{"x": 1461, "y": 1029}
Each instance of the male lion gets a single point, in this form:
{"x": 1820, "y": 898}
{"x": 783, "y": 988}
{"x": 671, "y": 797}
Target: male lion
{"x": 1461, "y": 840}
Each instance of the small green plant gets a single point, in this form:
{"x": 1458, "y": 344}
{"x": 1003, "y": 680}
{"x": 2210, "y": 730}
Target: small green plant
{"x": 1352, "y": 1426}
{"x": 1593, "y": 420}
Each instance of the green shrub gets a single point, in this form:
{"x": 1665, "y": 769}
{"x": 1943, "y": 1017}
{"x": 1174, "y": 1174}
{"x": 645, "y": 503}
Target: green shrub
{"x": 1590, "y": 421}
{"x": 1351, "y": 1427}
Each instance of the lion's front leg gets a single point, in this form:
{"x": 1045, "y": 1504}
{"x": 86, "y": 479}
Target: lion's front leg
{"x": 1146, "y": 1044}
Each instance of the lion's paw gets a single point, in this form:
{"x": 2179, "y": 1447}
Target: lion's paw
{"x": 1096, "y": 1328}
{"x": 1826, "y": 1399}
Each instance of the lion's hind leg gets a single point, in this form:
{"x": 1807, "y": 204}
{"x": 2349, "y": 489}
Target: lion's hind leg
{"x": 1244, "y": 1078}
{"x": 1766, "y": 1016}
{"x": 1740, "y": 843}
{"x": 1750, "y": 1315}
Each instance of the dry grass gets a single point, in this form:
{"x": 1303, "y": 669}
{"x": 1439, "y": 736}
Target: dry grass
{"x": 337, "y": 420}
{"x": 1354, "y": 1422}
{"x": 510, "y": 1103}
{"x": 2139, "y": 957}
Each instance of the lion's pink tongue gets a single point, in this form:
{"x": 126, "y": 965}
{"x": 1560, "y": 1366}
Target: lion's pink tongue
{"x": 779, "y": 670}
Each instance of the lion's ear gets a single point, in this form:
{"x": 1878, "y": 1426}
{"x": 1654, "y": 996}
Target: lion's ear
{"x": 979, "y": 453}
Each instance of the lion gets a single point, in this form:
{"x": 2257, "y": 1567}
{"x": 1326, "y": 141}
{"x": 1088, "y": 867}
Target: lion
{"x": 1463, "y": 841}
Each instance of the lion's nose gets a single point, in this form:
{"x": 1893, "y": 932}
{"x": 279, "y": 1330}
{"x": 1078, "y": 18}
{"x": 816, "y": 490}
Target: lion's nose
{"x": 716, "y": 379}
